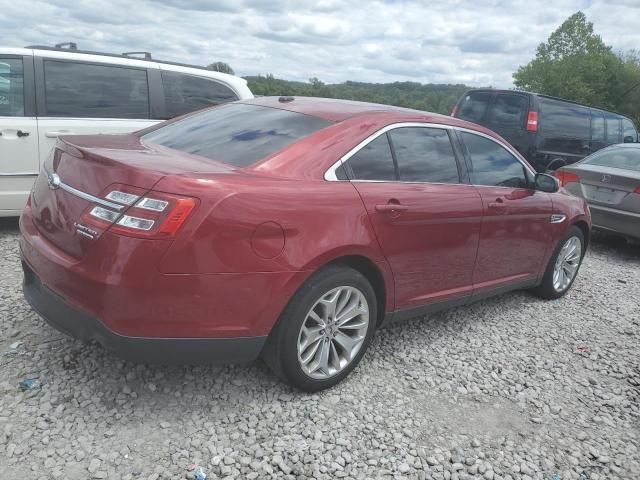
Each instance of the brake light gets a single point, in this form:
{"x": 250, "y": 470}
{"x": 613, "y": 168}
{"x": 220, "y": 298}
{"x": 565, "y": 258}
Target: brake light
{"x": 150, "y": 215}
{"x": 455, "y": 110}
{"x": 532, "y": 121}
{"x": 566, "y": 177}
{"x": 637, "y": 190}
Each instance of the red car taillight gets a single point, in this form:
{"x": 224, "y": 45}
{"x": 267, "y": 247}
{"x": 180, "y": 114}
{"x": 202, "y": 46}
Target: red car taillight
{"x": 566, "y": 177}
{"x": 150, "y": 215}
{"x": 637, "y": 190}
{"x": 532, "y": 121}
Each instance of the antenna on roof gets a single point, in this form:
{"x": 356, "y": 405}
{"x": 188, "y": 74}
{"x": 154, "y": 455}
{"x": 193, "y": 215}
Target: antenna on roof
{"x": 145, "y": 55}
{"x": 69, "y": 45}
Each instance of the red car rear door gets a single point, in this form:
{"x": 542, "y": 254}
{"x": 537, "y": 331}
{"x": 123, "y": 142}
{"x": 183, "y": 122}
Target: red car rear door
{"x": 426, "y": 220}
{"x": 515, "y": 233}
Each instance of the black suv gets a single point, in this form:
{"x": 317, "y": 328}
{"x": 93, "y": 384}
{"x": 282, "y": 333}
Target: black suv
{"x": 548, "y": 131}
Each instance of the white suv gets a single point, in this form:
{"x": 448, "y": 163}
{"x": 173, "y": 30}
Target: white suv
{"x": 46, "y": 92}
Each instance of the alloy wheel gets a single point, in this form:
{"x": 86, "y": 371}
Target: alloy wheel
{"x": 333, "y": 332}
{"x": 567, "y": 264}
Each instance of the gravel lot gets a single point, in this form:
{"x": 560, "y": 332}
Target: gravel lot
{"x": 509, "y": 388}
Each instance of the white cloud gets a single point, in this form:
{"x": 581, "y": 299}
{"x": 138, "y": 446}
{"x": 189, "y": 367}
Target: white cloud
{"x": 478, "y": 42}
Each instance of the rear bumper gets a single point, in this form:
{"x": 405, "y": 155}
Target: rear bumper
{"x": 85, "y": 327}
{"x": 618, "y": 221}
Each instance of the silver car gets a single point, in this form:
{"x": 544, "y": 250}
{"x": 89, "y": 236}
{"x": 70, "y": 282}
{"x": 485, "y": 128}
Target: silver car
{"x": 609, "y": 180}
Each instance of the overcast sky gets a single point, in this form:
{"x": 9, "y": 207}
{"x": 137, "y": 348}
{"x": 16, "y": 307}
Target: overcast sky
{"x": 476, "y": 42}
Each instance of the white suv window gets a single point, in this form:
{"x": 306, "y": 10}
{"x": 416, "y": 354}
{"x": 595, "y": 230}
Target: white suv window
{"x": 187, "y": 93}
{"x": 85, "y": 90}
{"x": 11, "y": 87}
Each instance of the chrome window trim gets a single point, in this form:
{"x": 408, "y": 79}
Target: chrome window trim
{"x": 86, "y": 196}
{"x": 330, "y": 174}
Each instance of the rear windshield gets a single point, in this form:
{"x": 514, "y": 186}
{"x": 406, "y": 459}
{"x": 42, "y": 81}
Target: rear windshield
{"x": 473, "y": 106}
{"x": 624, "y": 158}
{"x": 236, "y": 134}
{"x": 508, "y": 110}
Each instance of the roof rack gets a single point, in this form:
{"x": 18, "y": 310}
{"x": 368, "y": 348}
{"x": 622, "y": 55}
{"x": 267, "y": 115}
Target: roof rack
{"x": 145, "y": 55}
{"x": 72, "y": 47}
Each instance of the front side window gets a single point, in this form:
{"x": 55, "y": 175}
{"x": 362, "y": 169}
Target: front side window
{"x": 629, "y": 132}
{"x": 492, "y": 164}
{"x": 624, "y": 158}
{"x": 373, "y": 161}
{"x": 84, "y": 90}
{"x": 424, "y": 155}
{"x": 613, "y": 130}
{"x": 236, "y": 134}
{"x": 473, "y": 106}
{"x": 509, "y": 110}
{"x": 187, "y": 93}
{"x": 11, "y": 87}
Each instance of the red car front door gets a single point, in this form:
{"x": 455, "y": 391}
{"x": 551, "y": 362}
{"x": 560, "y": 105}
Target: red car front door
{"x": 515, "y": 233}
{"x": 427, "y": 222}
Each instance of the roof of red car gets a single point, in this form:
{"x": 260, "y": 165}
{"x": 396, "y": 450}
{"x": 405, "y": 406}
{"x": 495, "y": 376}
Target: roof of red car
{"x": 337, "y": 110}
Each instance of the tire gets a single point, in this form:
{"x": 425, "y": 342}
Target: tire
{"x": 281, "y": 353}
{"x": 548, "y": 288}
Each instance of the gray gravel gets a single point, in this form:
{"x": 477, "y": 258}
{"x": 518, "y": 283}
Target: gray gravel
{"x": 509, "y": 388}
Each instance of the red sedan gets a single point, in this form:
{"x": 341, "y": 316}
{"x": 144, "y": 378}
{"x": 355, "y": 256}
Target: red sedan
{"x": 291, "y": 228}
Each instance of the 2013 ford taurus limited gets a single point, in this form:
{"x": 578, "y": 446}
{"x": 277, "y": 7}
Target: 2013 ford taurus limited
{"x": 291, "y": 228}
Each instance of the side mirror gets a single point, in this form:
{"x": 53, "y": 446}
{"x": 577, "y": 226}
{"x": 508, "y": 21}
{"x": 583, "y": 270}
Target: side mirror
{"x": 546, "y": 183}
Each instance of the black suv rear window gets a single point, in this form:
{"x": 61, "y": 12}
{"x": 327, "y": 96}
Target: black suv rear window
{"x": 473, "y": 106}
{"x": 236, "y": 134}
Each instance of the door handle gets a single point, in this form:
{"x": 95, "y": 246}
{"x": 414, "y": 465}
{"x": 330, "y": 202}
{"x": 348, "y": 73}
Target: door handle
{"x": 57, "y": 133}
{"x": 22, "y": 133}
{"x": 391, "y": 208}
{"x": 499, "y": 205}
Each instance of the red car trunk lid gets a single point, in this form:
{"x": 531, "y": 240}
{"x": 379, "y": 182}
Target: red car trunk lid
{"x": 82, "y": 170}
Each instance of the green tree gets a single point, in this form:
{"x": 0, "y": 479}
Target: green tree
{"x": 575, "y": 64}
{"x": 221, "y": 67}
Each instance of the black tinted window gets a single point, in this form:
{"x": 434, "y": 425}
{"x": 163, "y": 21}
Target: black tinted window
{"x": 11, "y": 87}
{"x": 186, "y": 93}
{"x": 629, "y": 132}
{"x": 473, "y": 106}
{"x": 236, "y": 134}
{"x": 624, "y": 158}
{"x": 424, "y": 155}
{"x": 492, "y": 164}
{"x": 509, "y": 110}
{"x": 562, "y": 119}
{"x": 597, "y": 127}
{"x": 613, "y": 130}
{"x": 374, "y": 161}
{"x": 87, "y": 91}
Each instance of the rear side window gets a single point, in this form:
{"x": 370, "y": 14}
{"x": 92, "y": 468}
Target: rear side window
{"x": 11, "y": 87}
{"x": 629, "y": 132}
{"x": 597, "y": 127}
{"x": 473, "y": 106}
{"x": 424, "y": 155}
{"x": 625, "y": 158}
{"x": 374, "y": 161}
{"x": 492, "y": 164}
{"x": 613, "y": 130}
{"x": 236, "y": 134}
{"x": 86, "y": 90}
{"x": 508, "y": 110}
{"x": 562, "y": 119}
{"x": 187, "y": 93}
